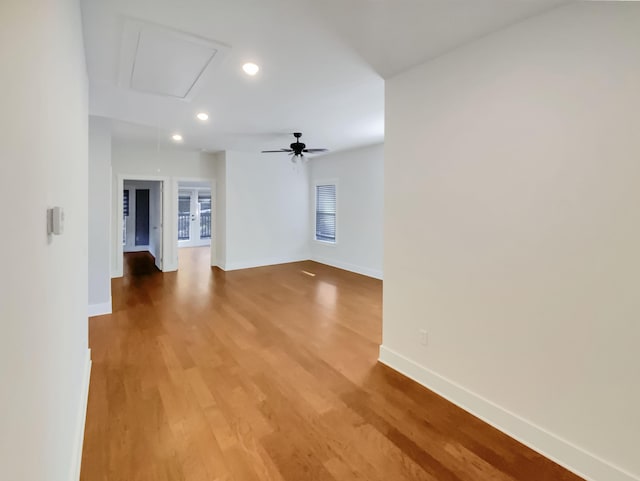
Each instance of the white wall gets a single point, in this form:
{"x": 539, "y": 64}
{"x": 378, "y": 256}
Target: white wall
{"x": 100, "y": 216}
{"x": 139, "y": 159}
{"x": 267, "y": 211}
{"x": 359, "y": 175}
{"x": 219, "y": 251}
{"x": 512, "y": 226}
{"x": 44, "y": 357}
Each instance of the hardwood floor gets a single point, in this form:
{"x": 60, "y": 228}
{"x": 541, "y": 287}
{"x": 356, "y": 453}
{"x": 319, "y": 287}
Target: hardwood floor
{"x": 270, "y": 374}
{"x": 138, "y": 264}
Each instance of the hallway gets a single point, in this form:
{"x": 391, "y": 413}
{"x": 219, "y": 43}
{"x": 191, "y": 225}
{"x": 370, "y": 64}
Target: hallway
{"x": 270, "y": 374}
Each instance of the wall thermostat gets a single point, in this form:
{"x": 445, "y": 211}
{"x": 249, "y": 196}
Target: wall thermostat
{"x": 56, "y": 221}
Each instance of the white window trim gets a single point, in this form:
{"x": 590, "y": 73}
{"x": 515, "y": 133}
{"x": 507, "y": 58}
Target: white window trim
{"x": 316, "y": 183}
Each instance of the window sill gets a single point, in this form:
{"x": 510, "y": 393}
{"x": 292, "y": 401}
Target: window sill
{"x": 326, "y": 243}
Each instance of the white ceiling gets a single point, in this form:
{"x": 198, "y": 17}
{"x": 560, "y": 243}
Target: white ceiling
{"x": 322, "y": 65}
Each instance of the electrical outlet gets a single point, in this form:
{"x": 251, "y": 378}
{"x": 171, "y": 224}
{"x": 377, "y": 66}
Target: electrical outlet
{"x": 423, "y": 337}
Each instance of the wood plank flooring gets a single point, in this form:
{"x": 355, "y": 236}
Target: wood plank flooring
{"x": 270, "y": 374}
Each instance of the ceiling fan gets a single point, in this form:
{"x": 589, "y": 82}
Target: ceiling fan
{"x": 297, "y": 149}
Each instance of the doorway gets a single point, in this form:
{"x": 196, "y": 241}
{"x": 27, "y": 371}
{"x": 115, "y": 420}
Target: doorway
{"x": 142, "y": 226}
{"x": 194, "y": 215}
{"x": 195, "y": 221}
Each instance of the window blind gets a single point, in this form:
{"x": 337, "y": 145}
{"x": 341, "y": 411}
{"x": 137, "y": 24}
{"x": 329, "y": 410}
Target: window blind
{"x": 205, "y": 202}
{"x": 184, "y": 204}
{"x": 326, "y": 213}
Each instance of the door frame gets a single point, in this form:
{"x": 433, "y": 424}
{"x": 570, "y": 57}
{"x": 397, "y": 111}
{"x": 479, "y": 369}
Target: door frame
{"x": 166, "y": 219}
{"x": 211, "y": 182}
{"x": 129, "y": 245}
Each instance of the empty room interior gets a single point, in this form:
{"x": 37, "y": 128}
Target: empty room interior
{"x": 329, "y": 240}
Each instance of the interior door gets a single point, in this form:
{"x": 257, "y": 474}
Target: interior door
{"x": 157, "y": 209}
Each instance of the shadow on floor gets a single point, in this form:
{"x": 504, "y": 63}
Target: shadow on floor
{"x": 139, "y": 264}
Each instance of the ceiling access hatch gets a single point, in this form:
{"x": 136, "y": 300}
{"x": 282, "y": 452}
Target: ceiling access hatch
{"x": 166, "y": 62}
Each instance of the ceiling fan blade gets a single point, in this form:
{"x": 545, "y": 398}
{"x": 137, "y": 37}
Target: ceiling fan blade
{"x": 276, "y": 151}
{"x": 312, "y": 151}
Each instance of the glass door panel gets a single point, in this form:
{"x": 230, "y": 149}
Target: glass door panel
{"x": 204, "y": 208}
{"x": 184, "y": 217}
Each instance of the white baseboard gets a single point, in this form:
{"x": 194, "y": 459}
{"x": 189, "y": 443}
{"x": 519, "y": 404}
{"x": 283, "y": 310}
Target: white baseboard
{"x": 100, "y": 309}
{"x": 195, "y": 244}
{"x": 82, "y": 417}
{"x": 561, "y": 451}
{"x": 234, "y": 266}
{"x": 365, "y": 271}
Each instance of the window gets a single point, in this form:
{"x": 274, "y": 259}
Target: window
{"x": 326, "y": 213}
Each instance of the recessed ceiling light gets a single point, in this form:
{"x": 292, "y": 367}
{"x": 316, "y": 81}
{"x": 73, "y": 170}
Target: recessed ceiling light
{"x": 250, "y": 68}
{"x": 177, "y": 137}
{"x": 203, "y": 116}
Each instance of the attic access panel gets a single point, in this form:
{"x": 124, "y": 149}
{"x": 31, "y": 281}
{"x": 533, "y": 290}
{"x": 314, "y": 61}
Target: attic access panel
{"x": 166, "y": 62}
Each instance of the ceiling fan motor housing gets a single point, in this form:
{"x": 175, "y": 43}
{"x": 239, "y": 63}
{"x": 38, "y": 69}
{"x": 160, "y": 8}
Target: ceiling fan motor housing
{"x": 297, "y": 147}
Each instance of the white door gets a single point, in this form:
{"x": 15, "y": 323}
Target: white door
{"x": 156, "y": 210}
{"x": 194, "y": 217}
